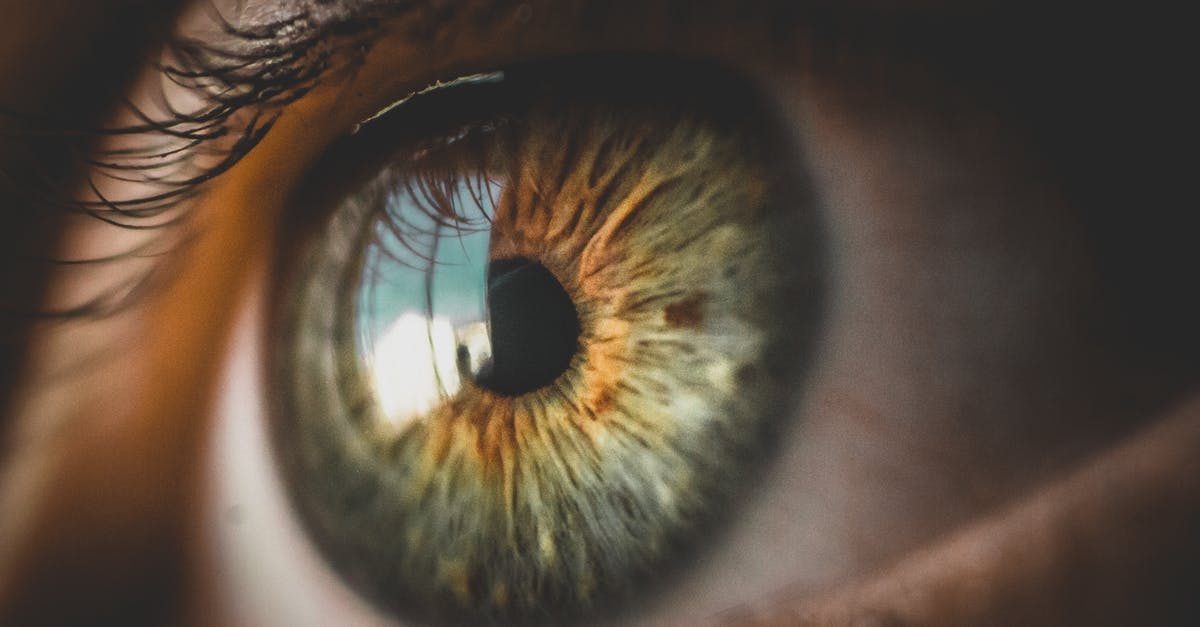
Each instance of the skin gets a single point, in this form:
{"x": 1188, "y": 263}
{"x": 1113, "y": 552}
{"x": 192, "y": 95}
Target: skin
{"x": 1000, "y": 429}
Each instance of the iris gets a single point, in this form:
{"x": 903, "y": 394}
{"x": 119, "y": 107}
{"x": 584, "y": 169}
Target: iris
{"x": 533, "y": 358}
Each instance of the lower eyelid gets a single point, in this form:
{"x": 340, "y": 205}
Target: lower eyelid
{"x": 1108, "y": 536}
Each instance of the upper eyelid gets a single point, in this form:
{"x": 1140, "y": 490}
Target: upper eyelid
{"x": 240, "y": 78}
{"x": 238, "y": 83}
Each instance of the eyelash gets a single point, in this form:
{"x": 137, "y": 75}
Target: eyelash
{"x": 244, "y": 82}
{"x": 245, "y": 79}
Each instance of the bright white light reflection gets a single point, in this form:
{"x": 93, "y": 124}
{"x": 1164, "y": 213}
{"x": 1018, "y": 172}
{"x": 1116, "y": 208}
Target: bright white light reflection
{"x": 415, "y": 366}
{"x": 423, "y": 304}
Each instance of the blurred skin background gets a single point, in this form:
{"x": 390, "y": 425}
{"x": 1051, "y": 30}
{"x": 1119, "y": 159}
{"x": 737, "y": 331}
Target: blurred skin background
{"x": 1000, "y": 426}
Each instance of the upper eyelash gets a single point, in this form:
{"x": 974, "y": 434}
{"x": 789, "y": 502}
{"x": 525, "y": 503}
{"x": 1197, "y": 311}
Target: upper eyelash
{"x": 255, "y": 71}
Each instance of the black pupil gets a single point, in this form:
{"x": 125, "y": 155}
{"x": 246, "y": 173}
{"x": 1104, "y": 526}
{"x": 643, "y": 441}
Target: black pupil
{"x": 534, "y": 326}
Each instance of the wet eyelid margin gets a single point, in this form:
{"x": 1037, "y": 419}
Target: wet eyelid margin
{"x": 472, "y": 79}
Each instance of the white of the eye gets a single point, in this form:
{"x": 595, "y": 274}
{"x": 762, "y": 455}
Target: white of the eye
{"x": 262, "y": 570}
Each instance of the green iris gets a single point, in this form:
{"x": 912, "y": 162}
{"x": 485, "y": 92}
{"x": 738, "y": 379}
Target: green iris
{"x": 532, "y": 359}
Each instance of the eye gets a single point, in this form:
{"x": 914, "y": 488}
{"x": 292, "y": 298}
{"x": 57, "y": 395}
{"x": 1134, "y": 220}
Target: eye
{"x": 529, "y": 362}
{"x": 1004, "y": 253}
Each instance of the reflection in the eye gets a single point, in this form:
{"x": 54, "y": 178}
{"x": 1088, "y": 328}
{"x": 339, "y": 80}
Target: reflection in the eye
{"x": 414, "y": 366}
{"x": 423, "y": 311}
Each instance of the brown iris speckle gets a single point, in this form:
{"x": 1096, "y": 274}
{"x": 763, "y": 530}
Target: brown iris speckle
{"x": 603, "y": 402}
{"x": 687, "y": 313}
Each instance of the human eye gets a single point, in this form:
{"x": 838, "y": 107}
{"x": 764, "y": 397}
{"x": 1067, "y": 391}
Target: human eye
{"x": 647, "y": 262}
{"x": 955, "y": 399}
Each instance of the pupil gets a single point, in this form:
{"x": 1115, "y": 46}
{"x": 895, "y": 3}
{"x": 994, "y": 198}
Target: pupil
{"x": 534, "y": 327}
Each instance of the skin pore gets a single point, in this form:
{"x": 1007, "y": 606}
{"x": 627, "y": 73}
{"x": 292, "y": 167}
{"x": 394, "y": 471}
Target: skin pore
{"x": 998, "y": 428}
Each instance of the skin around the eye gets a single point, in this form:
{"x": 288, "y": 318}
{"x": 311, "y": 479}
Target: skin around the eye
{"x": 1110, "y": 119}
{"x": 74, "y": 500}
{"x": 677, "y": 240}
